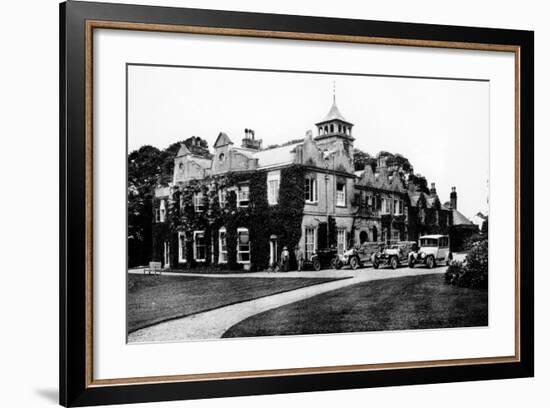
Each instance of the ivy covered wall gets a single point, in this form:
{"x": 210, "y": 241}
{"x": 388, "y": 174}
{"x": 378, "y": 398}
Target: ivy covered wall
{"x": 261, "y": 219}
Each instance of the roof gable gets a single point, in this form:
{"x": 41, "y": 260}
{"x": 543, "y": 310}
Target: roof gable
{"x": 222, "y": 140}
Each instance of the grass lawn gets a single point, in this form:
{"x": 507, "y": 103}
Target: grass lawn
{"x": 412, "y": 302}
{"x": 156, "y": 298}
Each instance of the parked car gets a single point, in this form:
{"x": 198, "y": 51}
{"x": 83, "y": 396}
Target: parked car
{"x": 433, "y": 249}
{"x": 393, "y": 254}
{"x": 359, "y": 255}
{"x": 324, "y": 258}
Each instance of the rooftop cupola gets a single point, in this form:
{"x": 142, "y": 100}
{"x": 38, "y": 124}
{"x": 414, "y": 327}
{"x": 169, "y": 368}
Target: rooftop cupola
{"x": 334, "y": 124}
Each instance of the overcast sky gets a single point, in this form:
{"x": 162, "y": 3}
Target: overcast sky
{"x": 442, "y": 126}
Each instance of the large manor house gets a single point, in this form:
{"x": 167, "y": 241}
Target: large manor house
{"x": 241, "y": 205}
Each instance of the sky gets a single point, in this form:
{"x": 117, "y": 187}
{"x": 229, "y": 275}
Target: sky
{"x": 441, "y": 126}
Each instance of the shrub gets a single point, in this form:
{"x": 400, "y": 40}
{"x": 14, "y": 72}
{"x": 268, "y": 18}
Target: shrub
{"x": 477, "y": 266}
{"x": 454, "y": 271}
{"x": 474, "y": 272}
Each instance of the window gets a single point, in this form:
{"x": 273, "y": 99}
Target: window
{"x": 243, "y": 196}
{"x": 221, "y": 157}
{"x": 198, "y": 202}
{"x": 398, "y": 207}
{"x": 222, "y": 244}
{"x": 341, "y": 194}
{"x": 341, "y": 241}
{"x": 395, "y": 235}
{"x": 384, "y": 206}
{"x": 310, "y": 242}
{"x": 273, "y": 180}
{"x": 199, "y": 246}
{"x": 181, "y": 247}
{"x": 243, "y": 246}
{"x": 222, "y": 197}
{"x": 162, "y": 214}
{"x": 157, "y": 215}
{"x": 310, "y": 190}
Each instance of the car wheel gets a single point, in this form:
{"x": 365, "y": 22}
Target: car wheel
{"x": 375, "y": 264}
{"x": 393, "y": 262}
{"x": 334, "y": 263}
{"x": 317, "y": 265}
{"x": 411, "y": 263}
{"x": 430, "y": 262}
{"x": 354, "y": 263}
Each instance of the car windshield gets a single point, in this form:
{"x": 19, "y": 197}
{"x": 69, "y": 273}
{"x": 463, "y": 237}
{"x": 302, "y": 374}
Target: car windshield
{"x": 428, "y": 242}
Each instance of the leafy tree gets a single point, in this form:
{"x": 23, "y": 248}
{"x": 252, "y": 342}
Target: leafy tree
{"x": 144, "y": 167}
{"x": 362, "y": 159}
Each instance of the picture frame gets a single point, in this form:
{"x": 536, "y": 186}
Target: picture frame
{"x": 78, "y": 386}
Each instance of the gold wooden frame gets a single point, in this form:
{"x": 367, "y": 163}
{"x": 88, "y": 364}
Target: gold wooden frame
{"x": 98, "y": 24}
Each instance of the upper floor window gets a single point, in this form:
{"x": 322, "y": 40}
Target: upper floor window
{"x": 162, "y": 212}
{"x": 243, "y": 196}
{"x": 198, "y": 201}
{"x": 398, "y": 207}
{"x": 384, "y": 206}
{"x": 341, "y": 194}
{"x": 243, "y": 246}
{"x": 310, "y": 190}
{"x": 222, "y": 197}
{"x": 221, "y": 157}
{"x": 273, "y": 180}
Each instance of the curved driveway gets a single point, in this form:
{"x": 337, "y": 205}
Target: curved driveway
{"x": 214, "y": 323}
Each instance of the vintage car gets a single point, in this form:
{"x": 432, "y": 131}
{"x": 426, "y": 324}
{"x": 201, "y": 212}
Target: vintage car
{"x": 360, "y": 255}
{"x": 324, "y": 258}
{"x": 393, "y": 255}
{"x": 433, "y": 249}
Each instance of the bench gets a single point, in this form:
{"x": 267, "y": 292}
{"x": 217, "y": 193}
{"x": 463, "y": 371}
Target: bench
{"x": 154, "y": 268}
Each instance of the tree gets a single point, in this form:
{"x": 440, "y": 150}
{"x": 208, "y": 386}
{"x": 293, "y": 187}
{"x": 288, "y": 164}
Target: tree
{"x": 362, "y": 159}
{"x": 144, "y": 167}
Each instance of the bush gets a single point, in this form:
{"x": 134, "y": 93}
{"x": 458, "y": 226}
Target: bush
{"x": 474, "y": 272}
{"x": 454, "y": 271}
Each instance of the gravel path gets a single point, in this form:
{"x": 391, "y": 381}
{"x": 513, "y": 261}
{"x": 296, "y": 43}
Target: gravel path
{"x": 213, "y": 324}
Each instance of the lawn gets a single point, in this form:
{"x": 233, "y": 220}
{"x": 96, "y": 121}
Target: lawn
{"x": 156, "y": 298}
{"x": 412, "y": 302}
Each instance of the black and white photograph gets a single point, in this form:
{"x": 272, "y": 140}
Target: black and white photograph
{"x": 275, "y": 203}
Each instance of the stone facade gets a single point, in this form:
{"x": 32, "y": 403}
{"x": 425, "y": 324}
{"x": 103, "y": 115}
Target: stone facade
{"x": 341, "y": 207}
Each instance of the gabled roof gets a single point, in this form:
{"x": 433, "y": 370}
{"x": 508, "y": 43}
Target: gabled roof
{"x": 183, "y": 151}
{"x": 460, "y": 219}
{"x": 222, "y": 140}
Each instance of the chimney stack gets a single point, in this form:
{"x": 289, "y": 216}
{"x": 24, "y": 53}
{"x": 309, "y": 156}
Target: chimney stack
{"x": 249, "y": 142}
{"x": 453, "y": 198}
{"x": 433, "y": 191}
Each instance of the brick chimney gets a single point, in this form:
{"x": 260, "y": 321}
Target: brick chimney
{"x": 249, "y": 142}
{"x": 453, "y": 198}
{"x": 433, "y": 191}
